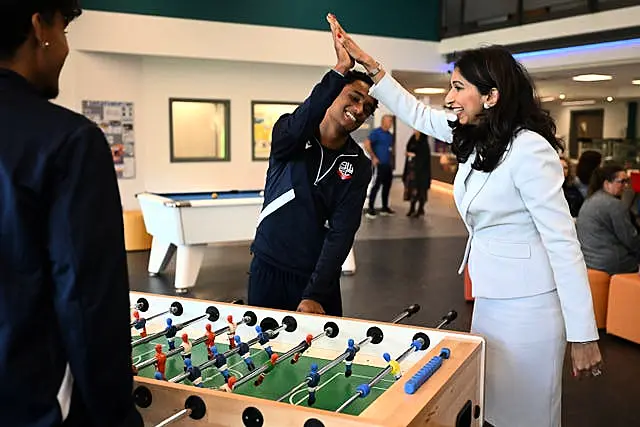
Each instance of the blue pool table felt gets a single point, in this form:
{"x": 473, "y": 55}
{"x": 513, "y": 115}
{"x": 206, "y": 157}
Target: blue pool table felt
{"x": 207, "y": 196}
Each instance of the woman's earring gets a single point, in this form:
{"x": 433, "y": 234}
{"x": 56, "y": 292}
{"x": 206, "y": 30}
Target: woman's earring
{"x": 486, "y": 105}
{"x": 45, "y": 44}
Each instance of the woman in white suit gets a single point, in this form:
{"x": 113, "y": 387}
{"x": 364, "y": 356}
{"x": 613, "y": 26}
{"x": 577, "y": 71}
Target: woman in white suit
{"x": 529, "y": 277}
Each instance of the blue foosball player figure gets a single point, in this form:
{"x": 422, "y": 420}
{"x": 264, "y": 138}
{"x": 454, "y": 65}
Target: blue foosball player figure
{"x": 243, "y": 351}
{"x": 195, "y": 374}
{"x": 351, "y": 349}
{"x": 395, "y": 366}
{"x": 313, "y": 379}
{"x": 170, "y": 333}
{"x": 263, "y": 339}
{"x": 220, "y": 363}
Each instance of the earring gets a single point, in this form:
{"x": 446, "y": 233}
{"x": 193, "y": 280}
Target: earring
{"x": 45, "y": 44}
{"x": 486, "y": 106}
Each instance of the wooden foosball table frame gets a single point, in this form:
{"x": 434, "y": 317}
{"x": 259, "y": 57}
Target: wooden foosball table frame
{"x": 452, "y": 396}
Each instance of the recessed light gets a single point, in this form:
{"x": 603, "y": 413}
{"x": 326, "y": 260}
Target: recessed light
{"x": 592, "y": 77}
{"x": 562, "y": 96}
{"x": 635, "y": 82}
{"x": 575, "y": 103}
{"x": 429, "y": 90}
{"x": 609, "y": 98}
{"x": 547, "y": 99}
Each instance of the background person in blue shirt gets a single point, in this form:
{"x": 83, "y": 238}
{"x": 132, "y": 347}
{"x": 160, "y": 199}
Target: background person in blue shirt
{"x": 379, "y": 145}
{"x": 315, "y": 188}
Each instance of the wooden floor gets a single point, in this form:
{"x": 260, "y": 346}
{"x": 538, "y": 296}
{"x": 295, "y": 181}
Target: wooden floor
{"x": 401, "y": 261}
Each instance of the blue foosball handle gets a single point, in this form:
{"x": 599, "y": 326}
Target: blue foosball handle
{"x": 420, "y": 377}
{"x": 363, "y": 390}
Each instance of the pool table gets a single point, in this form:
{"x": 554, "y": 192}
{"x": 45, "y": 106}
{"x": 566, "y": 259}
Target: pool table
{"x": 185, "y": 223}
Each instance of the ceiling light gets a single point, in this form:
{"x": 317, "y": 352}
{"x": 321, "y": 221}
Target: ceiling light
{"x": 562, "y": 96}
{"x": 574, "y": 103}
{"x": 429, "y": 90}
{"x": 635, "y": 82}
{"x": 547, "y": 99}
{"x": 609, "y": 98}
{"x": 592, "y": 78}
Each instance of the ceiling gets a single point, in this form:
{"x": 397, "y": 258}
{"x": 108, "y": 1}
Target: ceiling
{"x": 552, "y": 83}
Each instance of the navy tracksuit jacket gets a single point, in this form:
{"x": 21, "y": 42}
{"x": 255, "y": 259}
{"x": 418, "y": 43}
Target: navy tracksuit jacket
{"x": 313, "y": 207}
{"x": 64, "y": 291}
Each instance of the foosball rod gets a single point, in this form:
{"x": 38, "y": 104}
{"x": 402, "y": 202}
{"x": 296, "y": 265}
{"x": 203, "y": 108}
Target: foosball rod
{"x": 194, "y": 407}
{"x": 141, "y": 305}
{"x": 363, "y": 390}
{"x": 228, "y": 353}
{"x": 330, "y": 330}
{"x": 446, "y": 319}
{"x": 195, "y": 342}
{"x": 173, "y": 310}
{"x": 212, "y": 314}
{"x": 407, "y": 312}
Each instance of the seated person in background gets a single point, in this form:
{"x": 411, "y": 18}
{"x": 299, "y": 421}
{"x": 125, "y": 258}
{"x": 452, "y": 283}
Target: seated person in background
{"x": 571, "y": 193}
{"x": 610, "y": 242}
{"x": 588, "y": 162}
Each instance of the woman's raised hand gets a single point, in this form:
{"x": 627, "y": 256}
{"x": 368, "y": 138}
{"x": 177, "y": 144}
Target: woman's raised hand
{"x": 355, "y": 51}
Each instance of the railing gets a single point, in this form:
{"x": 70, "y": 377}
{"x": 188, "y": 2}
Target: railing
{"x": 461, "y": 17}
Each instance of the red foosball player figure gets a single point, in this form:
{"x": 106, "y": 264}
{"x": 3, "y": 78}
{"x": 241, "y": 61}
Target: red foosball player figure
{"x": 186, "y": 347}
{"x": 228, "y": 386}
{"x": 305, "y": 346}
{"x": 232, "y": 331}
{"x": 161, "y": 361}
{"x": 140, "y": 324}
{"x": 270, "y": 365}
{"x": 209, "y": 340}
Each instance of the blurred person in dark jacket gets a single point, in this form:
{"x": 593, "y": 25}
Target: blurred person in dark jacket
{"x": 417, "y": 173}
{"x": 65, "y": 341}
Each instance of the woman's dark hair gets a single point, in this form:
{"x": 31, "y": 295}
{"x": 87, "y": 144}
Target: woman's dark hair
{"x": 518, "y": 107}
{"x": 602, "y": 174}
{"x": 15, "y": 20}
{"x": 587, "y": 163}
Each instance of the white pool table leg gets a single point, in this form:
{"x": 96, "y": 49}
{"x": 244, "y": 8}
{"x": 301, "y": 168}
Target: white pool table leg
{"x": 188, "y": 262}
{"x": 161, "y": 254}
{"x": 349, "y": 265}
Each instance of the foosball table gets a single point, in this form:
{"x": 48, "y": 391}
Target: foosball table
{"x": 207, "y": 363}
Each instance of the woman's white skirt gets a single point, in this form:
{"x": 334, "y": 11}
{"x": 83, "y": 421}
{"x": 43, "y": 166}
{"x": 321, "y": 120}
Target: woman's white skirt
{"x": 526, "y": 344}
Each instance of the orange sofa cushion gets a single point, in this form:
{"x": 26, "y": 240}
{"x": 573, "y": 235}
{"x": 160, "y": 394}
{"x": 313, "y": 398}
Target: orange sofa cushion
{"x": 599, "y": 283}
{"x": 136, "y": 237}
{"x": 623, "y": 319}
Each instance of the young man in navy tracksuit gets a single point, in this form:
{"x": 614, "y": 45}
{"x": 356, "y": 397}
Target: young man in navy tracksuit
{"x": 315, "y": 190}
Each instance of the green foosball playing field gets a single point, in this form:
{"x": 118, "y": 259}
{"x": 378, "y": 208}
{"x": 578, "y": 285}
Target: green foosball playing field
{"x": 333, "y": 390}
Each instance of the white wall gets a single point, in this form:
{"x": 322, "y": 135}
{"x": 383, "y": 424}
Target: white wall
{"x": 146, "y": 60}
{"x": 182, "y": 38}
{"x": 149, "y": 82}
{"x": 108, "y": 78}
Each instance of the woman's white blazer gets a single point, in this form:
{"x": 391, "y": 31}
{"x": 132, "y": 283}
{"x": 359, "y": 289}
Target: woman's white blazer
{"x": 522, "y": 239}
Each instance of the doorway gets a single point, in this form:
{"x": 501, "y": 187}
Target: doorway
{"x": 586, "y": 126}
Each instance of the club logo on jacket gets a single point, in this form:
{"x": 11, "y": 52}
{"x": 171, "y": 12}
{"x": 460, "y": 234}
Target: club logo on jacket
{"x": 345, "y": 171}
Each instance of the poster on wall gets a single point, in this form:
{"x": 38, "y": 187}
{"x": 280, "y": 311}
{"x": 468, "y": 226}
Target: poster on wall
{"x": 264, "y": 116}
{"x": 116, "y": 121}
